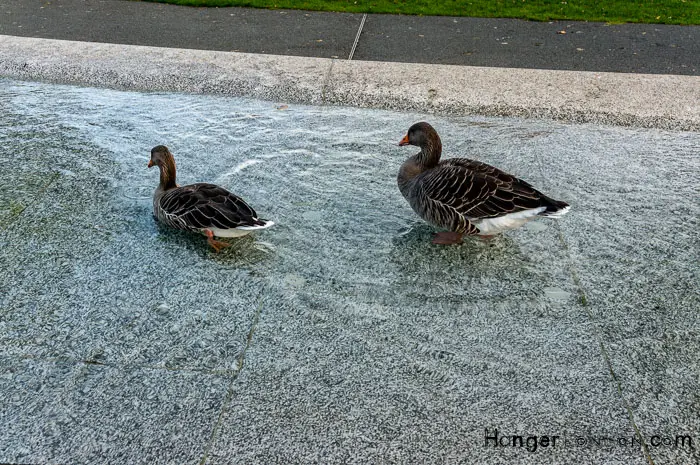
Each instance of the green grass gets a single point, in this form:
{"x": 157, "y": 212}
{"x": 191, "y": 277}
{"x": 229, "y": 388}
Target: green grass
{"x": 612, "y": 11}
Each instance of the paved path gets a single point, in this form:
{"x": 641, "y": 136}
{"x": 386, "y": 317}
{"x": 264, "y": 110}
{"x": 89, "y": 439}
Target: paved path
{"x": 635, "y": 48}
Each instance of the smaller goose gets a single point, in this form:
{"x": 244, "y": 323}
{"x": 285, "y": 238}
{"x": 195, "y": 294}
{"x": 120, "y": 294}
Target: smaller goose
{"x": 207, "y": 208}
{"x": 466, "y": 196}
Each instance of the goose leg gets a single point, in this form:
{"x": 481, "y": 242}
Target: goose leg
{"x": 447, "y": 238}
{"x": 216, "y": 245}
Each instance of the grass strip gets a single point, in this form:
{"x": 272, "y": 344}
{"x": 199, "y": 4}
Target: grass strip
{"x": 610, "y": 11}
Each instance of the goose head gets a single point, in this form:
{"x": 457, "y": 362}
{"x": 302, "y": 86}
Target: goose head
{"x": 160, "y": 157}
{"x": 426, "y": 137}
{"x": 164, "y": 160}
{"x": 421, "y": 135}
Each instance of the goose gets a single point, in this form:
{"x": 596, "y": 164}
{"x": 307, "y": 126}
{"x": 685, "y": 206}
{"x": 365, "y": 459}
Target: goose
{"x": 202, "y": 207}
{"x": 466, "y": 197}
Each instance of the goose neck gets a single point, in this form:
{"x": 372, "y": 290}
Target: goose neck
{"x": 429, "y": 155}
{"x": 167, "y": 174}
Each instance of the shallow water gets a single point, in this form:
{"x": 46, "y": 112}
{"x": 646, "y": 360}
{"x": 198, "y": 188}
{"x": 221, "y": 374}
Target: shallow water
{"x": 348, "y": 278}
{"x": 325, "y": 176}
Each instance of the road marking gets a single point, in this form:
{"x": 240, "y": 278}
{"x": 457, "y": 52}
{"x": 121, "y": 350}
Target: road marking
{"x": 357, "y": 37}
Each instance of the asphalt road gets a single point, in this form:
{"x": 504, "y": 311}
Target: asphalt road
{"x": 627, "y": 48}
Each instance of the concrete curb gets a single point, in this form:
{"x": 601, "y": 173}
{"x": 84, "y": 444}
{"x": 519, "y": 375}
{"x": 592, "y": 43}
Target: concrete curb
{"x": 645, "y": 100}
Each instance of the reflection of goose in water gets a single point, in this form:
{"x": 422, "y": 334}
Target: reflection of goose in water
{"x": 475, "y": 277}
{"x": 412, "y": 252}
{"x": 466, "y": 196}
{"x": 202, "y": 207}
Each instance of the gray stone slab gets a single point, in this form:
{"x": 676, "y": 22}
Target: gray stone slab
{"x": 25, "y": 182}
{"x": 165, "y": 69}
{"x": 281, "y": 32}
{"x": 607, "y": 98}
{"x": 76, "y": 279}
{"x": 407, "y": 352}
{"x": 603, "y": 98}
{"x": 512, "y": 43}
{"x": 63, "y": 412}
{"x": 649, "y": 317}
{"x": 413, "y": 378}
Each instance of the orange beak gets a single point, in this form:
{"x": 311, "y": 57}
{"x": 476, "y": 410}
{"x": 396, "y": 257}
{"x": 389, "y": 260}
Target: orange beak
{"x": 150, "y": 163}
{"x": 404, "y": 141}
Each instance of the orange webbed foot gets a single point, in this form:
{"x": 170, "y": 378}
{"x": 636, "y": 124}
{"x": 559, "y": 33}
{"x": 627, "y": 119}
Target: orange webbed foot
{"x": 447, "y": 238}
{"x": 216, "y": 245}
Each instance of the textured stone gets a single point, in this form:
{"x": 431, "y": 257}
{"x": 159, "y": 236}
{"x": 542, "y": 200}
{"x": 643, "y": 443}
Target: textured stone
{"x": 63, "y": 412}
{"x": 660, "y": 101}
{"x": 346, "y": 335}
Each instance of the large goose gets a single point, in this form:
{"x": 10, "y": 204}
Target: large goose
{"x": 202, "y": 207}
{"x": 466, "y": 196}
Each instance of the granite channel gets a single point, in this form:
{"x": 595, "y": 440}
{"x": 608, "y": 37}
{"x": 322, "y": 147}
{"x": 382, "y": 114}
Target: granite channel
{"x": 342, "y": 334}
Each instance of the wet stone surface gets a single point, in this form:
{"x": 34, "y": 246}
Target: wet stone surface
{"x": 63, "y": 412}
{"x": 341, "y": 334}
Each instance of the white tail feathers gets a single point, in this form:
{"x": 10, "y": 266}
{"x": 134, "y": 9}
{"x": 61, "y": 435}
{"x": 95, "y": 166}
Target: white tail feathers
{"x": 558, "y": 213}
{"x": 255, "y": 228}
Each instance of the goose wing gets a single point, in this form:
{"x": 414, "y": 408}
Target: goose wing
{"x": 202, "y": 205}
{"x": 477, "y": 190}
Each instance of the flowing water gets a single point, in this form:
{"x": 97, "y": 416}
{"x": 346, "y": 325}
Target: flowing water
{"x": 347, "y": 282}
